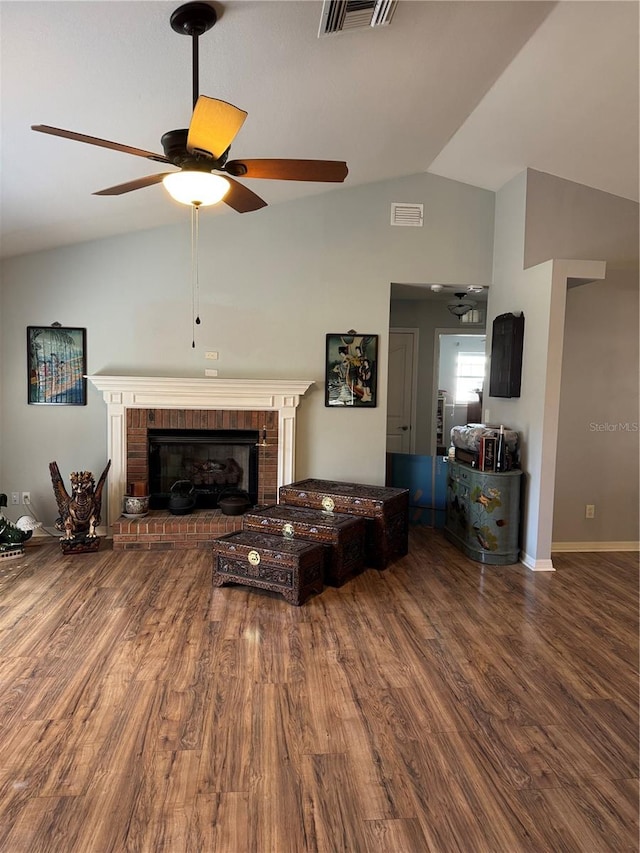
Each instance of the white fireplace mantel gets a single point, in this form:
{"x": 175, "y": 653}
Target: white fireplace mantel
{"x": 160, "y": 392}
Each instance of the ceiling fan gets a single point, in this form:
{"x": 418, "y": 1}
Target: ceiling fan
{"x": 462, "y": 306}
{"x": 201, "y": 150}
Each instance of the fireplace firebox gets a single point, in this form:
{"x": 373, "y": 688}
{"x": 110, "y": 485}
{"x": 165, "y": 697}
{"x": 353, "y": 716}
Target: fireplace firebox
{"x": 214, "y": 461}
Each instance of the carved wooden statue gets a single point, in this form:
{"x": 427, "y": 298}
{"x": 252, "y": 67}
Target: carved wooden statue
{"x": 79, "y": 511}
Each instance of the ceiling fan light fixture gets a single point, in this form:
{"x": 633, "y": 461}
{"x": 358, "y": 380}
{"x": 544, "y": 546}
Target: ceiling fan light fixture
{"x": 460, "y": 309}
{"x": 462, "y": 306}
{"x": 195, "y": 187}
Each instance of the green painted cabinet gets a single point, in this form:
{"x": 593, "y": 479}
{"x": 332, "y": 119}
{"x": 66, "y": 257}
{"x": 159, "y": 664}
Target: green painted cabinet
{"x": 483, "y": 513}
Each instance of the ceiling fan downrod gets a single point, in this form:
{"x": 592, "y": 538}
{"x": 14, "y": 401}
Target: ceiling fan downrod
{"x": 194, "y": 19}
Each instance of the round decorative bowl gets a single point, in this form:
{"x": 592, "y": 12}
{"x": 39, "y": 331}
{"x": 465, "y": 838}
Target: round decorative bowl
{"x": 234, "y": 502}
{"x": 133, "y": 505}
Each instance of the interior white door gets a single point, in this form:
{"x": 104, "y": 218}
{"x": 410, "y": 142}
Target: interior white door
{"x": 400, "y": 407}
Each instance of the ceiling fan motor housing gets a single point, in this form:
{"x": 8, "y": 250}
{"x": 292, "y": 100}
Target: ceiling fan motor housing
{"x": 174, "y": 145}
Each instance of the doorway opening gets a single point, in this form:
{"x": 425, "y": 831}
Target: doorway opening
{"x": 459, "y": 375}
{"x": 411, "y": 458}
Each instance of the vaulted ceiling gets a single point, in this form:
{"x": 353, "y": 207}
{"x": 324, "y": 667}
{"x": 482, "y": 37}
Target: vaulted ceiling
{"x": 474, "y": 91}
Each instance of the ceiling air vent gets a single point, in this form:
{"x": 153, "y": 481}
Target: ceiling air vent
{"x": 407, "y": 214}
{"x": 341, "y": 15}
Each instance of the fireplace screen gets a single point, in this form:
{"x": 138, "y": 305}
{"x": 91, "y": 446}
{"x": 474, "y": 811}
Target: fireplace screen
{"x": 213, "y": 460}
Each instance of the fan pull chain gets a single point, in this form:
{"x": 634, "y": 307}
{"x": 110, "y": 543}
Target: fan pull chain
{"x": 195, "y": 278}
{"x": 197, "y": 207}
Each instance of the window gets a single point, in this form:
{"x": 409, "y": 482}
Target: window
{"x": 470, "y": 368}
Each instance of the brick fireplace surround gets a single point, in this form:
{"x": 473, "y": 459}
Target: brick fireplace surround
{"x": 135, "y": 404}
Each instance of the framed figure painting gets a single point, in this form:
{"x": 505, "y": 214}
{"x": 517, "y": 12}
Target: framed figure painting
{"x": 351, "y": 363}
{"x": 57, "y": 365}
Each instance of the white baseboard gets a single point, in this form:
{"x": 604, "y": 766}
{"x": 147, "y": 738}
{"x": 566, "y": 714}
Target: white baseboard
{"x": 536, "y": 565}
{"x": 595, "y": 546}
{"x": 41, "y": 533}
{"x": 50, "y": 532}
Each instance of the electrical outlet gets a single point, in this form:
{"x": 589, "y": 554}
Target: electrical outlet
{"x": 589, "y": 511}
{"x": 212, "y": 355}
{"x": 15, "y": 498}
{"x": 209, "y": 372}
{"x": 26, "y": 498}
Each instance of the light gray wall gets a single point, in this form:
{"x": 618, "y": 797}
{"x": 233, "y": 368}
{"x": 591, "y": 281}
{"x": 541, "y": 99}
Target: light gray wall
{"x": 507, "y": 265}
{"x": 569, "y": 220}
{"x": 530, "y": 291}
{"x": 539, "y": 217}
{"x": 598, "y": 428}
{"x": 597, "y": 461}
{"x": 272, "y": 284}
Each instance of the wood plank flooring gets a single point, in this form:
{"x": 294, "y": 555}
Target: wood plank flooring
{"x": 437, "y": 706}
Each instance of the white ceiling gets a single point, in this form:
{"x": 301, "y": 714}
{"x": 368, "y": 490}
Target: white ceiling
{"x": 475, "y": 91}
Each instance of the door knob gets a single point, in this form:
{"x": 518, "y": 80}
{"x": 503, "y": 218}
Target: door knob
{"x": 404, "y": 428}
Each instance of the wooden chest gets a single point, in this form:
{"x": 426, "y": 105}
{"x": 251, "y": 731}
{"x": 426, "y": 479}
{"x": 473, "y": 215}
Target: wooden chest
{"x": 292, "y": 567}
{"x": 341, "y": 535}
{"x": 385, "y": 510}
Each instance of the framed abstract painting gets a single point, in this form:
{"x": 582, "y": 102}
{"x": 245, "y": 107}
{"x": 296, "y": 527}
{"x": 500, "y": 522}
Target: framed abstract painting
{"x": 351, "y": 370}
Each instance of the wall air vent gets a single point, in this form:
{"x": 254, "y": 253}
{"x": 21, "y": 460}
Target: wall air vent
{"x": 407, "y": 214}
{"x": 340, "y": 15}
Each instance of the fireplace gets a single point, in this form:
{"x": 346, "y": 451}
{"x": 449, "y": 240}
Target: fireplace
{"x": 136, "y": 404}
{"x": 214, "y": 462}
{"x": 212, "y": 449}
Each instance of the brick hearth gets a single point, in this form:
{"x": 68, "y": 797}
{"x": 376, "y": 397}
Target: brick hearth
{"x": 161, "y": 531}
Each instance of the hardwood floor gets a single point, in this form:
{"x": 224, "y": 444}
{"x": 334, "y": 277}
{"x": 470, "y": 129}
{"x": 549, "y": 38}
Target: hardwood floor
{"x": 436, "y": 706}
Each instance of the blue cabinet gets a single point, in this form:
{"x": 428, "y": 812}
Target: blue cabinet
{"x": 483, "y": 513}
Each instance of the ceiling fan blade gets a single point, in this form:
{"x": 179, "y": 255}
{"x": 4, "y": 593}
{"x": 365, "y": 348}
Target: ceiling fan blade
{"x": 103, "y": 143}
{"x": 214, "y": 125}
{"x": 138, "y": 184}
{"x": 241, "y": 198}
{"x": 290, "y": 170}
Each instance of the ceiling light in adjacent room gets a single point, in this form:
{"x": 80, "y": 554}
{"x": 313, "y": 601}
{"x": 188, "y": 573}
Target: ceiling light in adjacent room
{"x": 462, "y": 306}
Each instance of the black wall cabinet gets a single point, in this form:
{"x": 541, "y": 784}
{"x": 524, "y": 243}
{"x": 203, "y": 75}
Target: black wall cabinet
{"x": 506, "y": 355}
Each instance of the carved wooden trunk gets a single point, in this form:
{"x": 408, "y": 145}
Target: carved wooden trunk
{"x": 341, "y": 535}
{"x": 292, "y": 567}
{"x": 385, "y": 510}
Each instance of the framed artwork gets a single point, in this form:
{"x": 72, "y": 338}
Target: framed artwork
{"x": 351, "y": 370}
{"x": 57, "y": 365}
